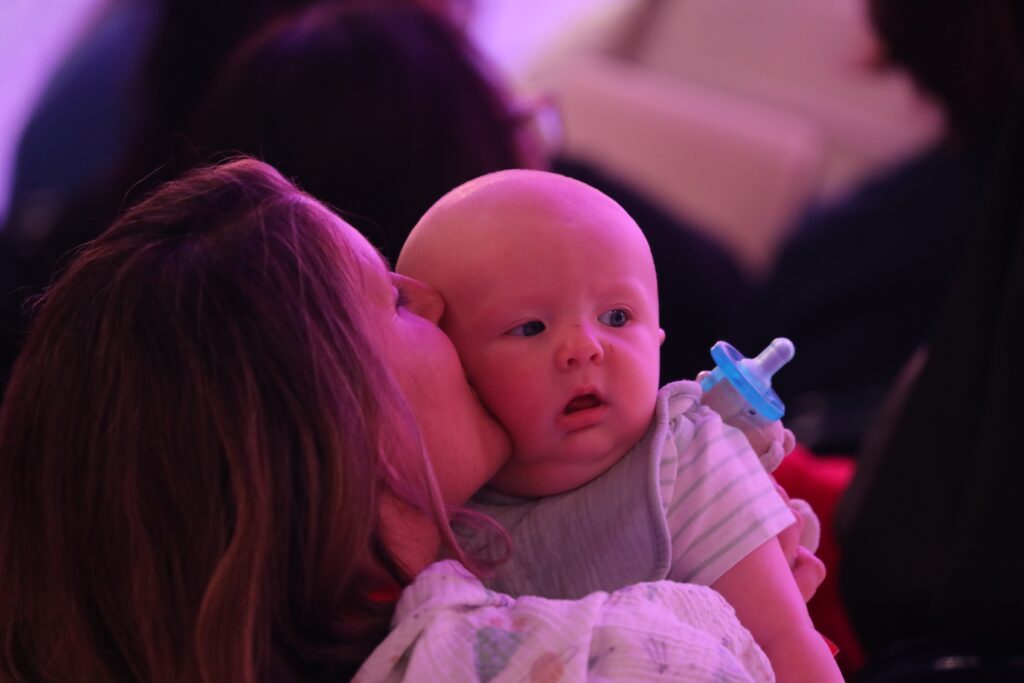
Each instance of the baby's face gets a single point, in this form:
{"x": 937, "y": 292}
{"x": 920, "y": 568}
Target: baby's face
{"x": 552, "y": 305}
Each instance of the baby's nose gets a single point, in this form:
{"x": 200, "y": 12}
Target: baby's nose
{"x": 579, "y": 346}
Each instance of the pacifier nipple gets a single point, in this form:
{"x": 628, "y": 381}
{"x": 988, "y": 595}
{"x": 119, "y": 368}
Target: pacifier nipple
{"x": 768, "y": 362}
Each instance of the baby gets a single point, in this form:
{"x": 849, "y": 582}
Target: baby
{"x": 551, "y": 300}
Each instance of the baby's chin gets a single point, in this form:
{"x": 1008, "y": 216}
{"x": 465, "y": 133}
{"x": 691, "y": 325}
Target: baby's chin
{"x": 521, "y": 477}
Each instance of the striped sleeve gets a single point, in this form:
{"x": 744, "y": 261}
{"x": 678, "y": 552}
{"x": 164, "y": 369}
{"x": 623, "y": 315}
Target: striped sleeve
{"x": 719, "y": 501}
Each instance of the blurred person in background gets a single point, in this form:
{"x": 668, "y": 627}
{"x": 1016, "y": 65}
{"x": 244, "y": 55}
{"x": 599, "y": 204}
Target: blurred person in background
{"x": 104, "y": 131}
{"x": 377, "y": 109}
{"x": 930, "y": 527}
{"x": 859, "y": 285}
{"x": 112, "y": 125}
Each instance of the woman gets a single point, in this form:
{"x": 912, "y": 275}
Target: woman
{"x": 213, "y": 467}
{"x": 181, "y": 355}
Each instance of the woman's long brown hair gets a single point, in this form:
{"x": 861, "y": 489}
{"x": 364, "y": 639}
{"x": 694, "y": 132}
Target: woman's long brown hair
{"x": 192, "y": 449}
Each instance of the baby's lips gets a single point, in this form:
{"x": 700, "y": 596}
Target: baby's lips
{"x": 584, "y": 399}
{"x": 582, "y": 403}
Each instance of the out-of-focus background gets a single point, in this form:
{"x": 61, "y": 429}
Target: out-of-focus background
{"x": 734, "y": 114}
{"x": 731, "y": 120}
{"x": 34, "y": 38}
{"x": 782, "y": 158}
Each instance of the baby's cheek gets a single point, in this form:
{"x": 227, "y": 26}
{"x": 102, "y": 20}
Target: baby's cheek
{"x": 513, "y": 399}
{"x": 644, "y": 393}
{"x": 509, "y": 396}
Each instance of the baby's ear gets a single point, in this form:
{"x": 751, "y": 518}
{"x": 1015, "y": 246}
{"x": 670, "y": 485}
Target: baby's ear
{"x": 661, "y": 336}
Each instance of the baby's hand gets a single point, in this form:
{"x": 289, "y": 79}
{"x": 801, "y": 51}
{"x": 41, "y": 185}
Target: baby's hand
{"x": 770, "y": 440}
{"x": 799, "y": 541}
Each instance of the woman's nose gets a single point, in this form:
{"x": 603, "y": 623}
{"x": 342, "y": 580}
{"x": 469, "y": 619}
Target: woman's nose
{"x": 579, "y": 347}
{"x": 421, "y": 299}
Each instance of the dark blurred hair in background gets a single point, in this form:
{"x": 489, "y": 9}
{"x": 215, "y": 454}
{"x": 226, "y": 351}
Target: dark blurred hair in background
{"x": 181, "y": 44}
{"x": 376, "y": 109}
{"x": 967, "y": 54}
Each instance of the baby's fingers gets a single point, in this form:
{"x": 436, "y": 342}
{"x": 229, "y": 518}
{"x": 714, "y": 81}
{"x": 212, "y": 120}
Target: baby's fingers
{"x": 809, "y": 572}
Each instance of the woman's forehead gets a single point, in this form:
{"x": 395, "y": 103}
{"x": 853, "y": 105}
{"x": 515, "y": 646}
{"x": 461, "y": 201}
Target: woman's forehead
{"x": 355, "y": 241}
{"x": 362, "y": 264}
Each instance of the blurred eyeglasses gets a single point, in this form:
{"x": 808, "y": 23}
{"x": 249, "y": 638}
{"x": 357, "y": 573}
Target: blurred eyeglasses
{"x": 539, "y": 117}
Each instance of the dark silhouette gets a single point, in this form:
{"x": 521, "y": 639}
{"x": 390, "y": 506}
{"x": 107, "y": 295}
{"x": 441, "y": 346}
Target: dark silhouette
{"x": 376, "y": 109}
{"x": 860, "y": 284}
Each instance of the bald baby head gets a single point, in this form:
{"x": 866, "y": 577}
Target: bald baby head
{"x": 505, "y": 218}
{"x": 551, "y": 300}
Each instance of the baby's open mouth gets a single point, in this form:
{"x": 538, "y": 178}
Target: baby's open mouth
{"x": 584, "y": 402}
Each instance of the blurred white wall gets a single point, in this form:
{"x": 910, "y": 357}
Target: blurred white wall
{"x": 810, "y": 57}
{"x": 35, "y": 35}
{"x": 737, "y": 115}
{"x": 521, "y": 36}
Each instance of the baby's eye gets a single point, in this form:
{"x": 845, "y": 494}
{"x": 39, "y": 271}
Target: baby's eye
{"x": 617, "y": 317}
{"x": 527, "y": 329}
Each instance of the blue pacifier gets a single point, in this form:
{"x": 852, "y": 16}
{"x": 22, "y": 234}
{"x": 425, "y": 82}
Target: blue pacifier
{"x": 751, "y": 377}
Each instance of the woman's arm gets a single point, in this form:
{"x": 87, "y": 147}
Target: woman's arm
{"x": 762, "y": 589}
